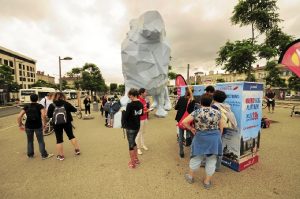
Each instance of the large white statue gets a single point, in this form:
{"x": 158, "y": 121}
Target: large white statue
{"x": 145, "y": 59}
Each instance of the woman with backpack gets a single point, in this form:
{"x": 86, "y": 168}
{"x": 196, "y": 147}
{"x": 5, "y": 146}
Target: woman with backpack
{"x": 185, "y": 103}
{"x": 134, "y": 110}
{"x": 60, "y": 112}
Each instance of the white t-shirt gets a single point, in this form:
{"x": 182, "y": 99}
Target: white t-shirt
{"x": 46, "y": 102}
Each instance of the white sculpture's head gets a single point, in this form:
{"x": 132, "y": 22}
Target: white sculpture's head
{"x": 145, "y": 53}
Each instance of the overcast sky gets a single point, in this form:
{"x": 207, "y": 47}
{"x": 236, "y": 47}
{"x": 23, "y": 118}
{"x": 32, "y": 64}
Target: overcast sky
{"x": 92, "y": 30}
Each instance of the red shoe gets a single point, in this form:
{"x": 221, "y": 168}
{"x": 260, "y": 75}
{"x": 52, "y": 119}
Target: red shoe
{"x": 131, "y": 165}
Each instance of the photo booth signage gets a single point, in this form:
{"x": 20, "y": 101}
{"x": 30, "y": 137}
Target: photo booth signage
{"x": 240, "y": 146}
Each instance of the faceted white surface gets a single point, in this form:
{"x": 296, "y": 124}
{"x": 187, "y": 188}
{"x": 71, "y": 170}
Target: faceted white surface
{"x": 145, "y": 59}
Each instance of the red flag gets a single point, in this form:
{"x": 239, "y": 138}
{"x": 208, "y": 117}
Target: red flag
{"x": 290, "y": 57}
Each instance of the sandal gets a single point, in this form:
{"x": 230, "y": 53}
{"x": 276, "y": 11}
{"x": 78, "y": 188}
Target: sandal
{"x": 206, "y": 186}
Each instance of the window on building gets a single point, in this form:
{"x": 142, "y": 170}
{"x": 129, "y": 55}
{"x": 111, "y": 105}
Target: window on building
{"x": 13, "y": 71}
{"x": 0, "y": 60}
{"x": 23, "y": 67}
{"x": 28, "y": 74}
{"x": 20, "y": 73}
{"x": 21, "y": 79}
{"x": 5, "y": 62}
{"x": 27, "y": 68}
{"x": 11, "y": 64}
{"x": 20, "y": 66}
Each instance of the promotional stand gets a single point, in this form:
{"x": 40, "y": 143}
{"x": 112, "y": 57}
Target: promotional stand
{"x": 240, "y": 146}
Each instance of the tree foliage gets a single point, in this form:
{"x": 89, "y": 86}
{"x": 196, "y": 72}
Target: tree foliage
{"x": 113, "y": 87}
{"x": 294, "y": 83}
{"x": 237, "y": 56}
{"x": 121, "y": 88}
{"x": 92, "y": 78}
{"x": 260, "y": 14}
{"x": 273, "y": 78}
{"x": 6, "y": 77}
{"x": 172, "y": 75}
{"x": 42, "y": 83}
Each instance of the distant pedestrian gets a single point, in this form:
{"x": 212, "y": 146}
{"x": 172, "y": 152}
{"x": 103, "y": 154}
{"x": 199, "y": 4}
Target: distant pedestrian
{"x": 47, "y": 100}
{"x": 106, "y": 109}
{"x": 134, "y": 110}
{"x": 87, "y": 105}
{"x": 103, "y": 101}
{"x": 35, "y": 122}
{"x": 144, "y": 119}
{"x": 270, "y": 97}
{"x": 60, "y": 112}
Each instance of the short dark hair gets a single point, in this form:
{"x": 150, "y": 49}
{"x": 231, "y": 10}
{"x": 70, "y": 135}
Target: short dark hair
{"x": 219, "y": 96}
{"x": 206, "y": 99}
{"x": 210, "y": 89}
{"x": 34, "y": 97}
{"x": 133, "y": 92}
{"x": 142, "y": 90}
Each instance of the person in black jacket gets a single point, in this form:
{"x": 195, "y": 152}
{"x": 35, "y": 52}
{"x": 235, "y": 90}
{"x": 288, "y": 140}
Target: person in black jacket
{"x": 87, "y": 104}
{"x": 181, "y": 106}
{"x": 58, "y": 102}
{"x": 132, "y": 115}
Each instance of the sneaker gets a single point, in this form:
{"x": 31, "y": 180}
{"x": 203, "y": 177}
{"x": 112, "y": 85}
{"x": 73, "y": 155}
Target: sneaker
{"x": 77, "y": 152}
{"x": 145, "y": 148}
{"x": 188, "y": 178}
{"x": 60, "y": 157}
{"x": 30, "y": 156}
{"x": 139, "y": 151}
{"x": 50, "y": 155}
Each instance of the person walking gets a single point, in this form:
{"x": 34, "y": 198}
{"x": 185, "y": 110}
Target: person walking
{"x": 103, "y": 101}
{"x": 270, "y": 97}
{"x": 46, "y": 101}
{"x": 207, "y": 140}
{"x": 87, "y": 105}
{"x": 35, "y": 122}
{"x": 106, "y": 109}
{"x": 144, "y": 118}
{"x": 60, "y": 112}
{"x": 134, "y": 110}
{"x": 184, "y": 103}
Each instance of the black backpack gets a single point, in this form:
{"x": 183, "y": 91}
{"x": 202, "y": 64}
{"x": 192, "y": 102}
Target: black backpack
{"x": 116, "y": 106}
{"x": 32, "y": 114}
{"x": 59, "y": 115}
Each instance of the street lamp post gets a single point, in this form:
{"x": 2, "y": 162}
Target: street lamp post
{"x": 59, "y": 61}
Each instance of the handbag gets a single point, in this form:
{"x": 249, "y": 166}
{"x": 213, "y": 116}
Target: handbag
{"x": 179, "y": 124}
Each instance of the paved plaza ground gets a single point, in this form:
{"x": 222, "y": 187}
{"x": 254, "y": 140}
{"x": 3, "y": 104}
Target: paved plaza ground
{"x": 101, "y": 171}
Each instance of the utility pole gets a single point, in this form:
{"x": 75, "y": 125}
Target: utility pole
{"x": 188, "y": 74}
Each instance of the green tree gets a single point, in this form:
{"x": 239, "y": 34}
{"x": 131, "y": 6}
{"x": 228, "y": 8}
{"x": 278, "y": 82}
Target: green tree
{"x": 6, "y": 77}
{"x": 273, "y": 77}
{"x": 237, "y": 57}
{"x": 260, "y": 14}
{"x": 92, "y": 78}
{"x": 294, "y": 83}
{"x": 172, "y": 75}
{"x": 113, "y": 87}
{"x": 121, "y": 88}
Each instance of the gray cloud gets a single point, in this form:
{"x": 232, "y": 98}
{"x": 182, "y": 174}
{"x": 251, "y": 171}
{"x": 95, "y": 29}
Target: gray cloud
{"x": 92, "y": 30}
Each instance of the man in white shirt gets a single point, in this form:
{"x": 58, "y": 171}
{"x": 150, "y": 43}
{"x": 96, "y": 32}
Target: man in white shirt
{"x": 47, "y": 100}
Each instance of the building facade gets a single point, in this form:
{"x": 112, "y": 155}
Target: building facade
{"x": 23, "y": 67}
{"x": 47, "y": 78}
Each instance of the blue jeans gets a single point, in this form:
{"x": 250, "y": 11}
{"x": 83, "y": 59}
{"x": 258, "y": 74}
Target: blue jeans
{"x": 40, "y": 139}
{"x": 181, "y": 139}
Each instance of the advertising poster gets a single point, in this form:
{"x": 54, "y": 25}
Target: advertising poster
{"x": 198, "y": 90}
{"x": 240, "y": 146}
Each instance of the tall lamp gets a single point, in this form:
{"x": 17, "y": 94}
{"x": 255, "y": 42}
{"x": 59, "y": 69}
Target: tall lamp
{"x": 59, "y": 60}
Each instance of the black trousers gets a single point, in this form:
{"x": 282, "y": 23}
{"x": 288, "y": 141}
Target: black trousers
{"x": 87, "y": 109}
{"x": 131, "y": 135}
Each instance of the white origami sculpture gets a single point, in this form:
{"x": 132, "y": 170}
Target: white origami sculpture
{"x": 145, "y": 59}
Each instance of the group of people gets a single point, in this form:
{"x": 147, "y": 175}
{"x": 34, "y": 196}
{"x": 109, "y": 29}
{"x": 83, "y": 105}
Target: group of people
{"x": 53, "y": 106}
{"x": 205, "y": 122}
{"x": 109, "y": 107}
